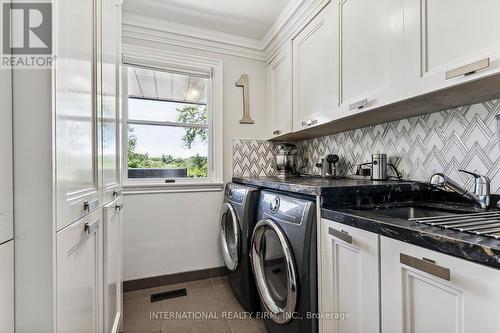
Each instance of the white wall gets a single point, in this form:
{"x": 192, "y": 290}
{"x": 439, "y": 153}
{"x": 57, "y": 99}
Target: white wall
{"x": 177, "y": 232}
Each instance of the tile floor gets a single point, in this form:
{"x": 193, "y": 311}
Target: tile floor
{"x": 211, "y": 295}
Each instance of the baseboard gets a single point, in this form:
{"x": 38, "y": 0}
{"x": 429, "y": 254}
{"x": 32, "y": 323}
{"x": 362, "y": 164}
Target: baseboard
{"x": 165, "y": 280}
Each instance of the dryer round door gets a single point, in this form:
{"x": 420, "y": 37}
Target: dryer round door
{"x": 230, "y": 236}
{"x": 274, "y": 269}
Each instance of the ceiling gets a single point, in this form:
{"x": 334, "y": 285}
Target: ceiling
{"x": 246, "y": 18}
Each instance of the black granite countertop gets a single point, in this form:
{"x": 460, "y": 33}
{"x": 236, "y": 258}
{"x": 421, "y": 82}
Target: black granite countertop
{"x": 480, "y": 249}
{"x": 321, "y": 186}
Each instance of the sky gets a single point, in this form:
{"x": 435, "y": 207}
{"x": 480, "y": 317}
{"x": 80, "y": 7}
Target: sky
{"x": 159, "y": 140}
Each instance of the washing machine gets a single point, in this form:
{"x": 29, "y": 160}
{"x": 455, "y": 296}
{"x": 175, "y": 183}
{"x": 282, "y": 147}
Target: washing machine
{"x": 237, "y": 221}
{"x": 284, "y": 263}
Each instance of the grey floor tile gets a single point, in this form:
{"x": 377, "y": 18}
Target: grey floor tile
{"x": 210, "y": 326}
{"x": 137, "y": 316}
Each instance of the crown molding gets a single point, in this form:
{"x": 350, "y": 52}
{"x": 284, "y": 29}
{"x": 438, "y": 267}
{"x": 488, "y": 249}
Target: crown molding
{"x": 165, "y": 32}
{"x": 293, "y": 17}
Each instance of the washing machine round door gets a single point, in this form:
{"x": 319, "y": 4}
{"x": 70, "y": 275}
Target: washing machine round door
{"x": 274, "y": 269}
{"x": 230, "y": 236}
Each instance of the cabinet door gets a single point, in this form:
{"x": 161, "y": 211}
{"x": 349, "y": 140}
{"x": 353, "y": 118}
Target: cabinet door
{"x": 78, "y": 176}
{"x": 315, "y": 82}
{"x": 447, "y": 39}
{"x": 371, "y": 53}
{"x": 113, "y": 223}
{"x": 350, "y": 278}
{"x": 109, "y": 104}
{"x": 279, "y": 78}
{"x": 425, "y": 291}
{"x": 6, "y": 194}
{"x": 79, "y": 276}
{"x": 7, "y": 287}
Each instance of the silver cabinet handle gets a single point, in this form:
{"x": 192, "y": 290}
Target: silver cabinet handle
{"x": 342, "y": 235}
{"x": 276, "y": 132}
{"x": 90, "y": 206}
{"x": 310, "y": 122}
{"x": 425, "y": 265}
{"x": 468, "y": 69}
{"x": 92, "y": 227}
{"x": 358, "y": 105}
{"x": 117, "y": 193}
{"x": 119, "y": 207}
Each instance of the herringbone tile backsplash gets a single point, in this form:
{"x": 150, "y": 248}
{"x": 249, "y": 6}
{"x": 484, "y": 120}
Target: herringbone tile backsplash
{"x": 459, "y": 138}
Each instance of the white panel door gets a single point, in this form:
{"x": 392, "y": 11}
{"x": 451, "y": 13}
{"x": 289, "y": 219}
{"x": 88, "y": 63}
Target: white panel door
{"x": 78, "y": 179}
{"x": 315, "y": 82}
{"x": 79, "y": 276}
{"x": 279, "y": 78}
{"x": 6, "y": 194}
{"x": 425, "y": 291}
{"x": 371, "y": 53}
{"x": 113, "y": 226}
{"x": 350, "y": 278}
{"x": 109, "y": 104}
{"x": 443, "y": 36}
{"x": 7, "y": 287}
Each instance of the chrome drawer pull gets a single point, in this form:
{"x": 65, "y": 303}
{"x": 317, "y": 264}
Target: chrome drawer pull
{"x": 119, "y": 207}
{"x": 276, "y": 132}
{"x": 468, "y": 69}
{"x": 309, "y": 122}
{"x": 90, "y": 206}
{"x": 92, "y": 227}
{"x": 358, "y": 105}
{"x": 342, "y": 235}
{"x": 117, "y": 193}
{"x": 425, "y": 265}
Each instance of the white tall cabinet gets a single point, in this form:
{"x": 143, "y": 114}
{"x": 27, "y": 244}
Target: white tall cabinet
{"x": 426, "y": 291}
{"x": 350, "y": 278}
{"x": 315, "y": 84}
{"x": 7, "y": 287}
{"x": 67, "y": 180}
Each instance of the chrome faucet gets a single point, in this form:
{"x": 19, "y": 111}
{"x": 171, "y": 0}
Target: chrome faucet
{"x": 481, "y": 195}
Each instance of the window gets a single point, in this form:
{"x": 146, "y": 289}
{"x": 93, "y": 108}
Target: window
{"x": 169, "y": 125}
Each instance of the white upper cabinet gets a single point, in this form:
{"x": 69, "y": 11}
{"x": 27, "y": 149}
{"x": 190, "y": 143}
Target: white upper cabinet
{"x": 448, "y": 42}
{"x": 315, "y": 74}
{"x": 109, "y": 103}
{"x": 370, "y": 47}
{"x": 77, "y": 170}
{"x": 279, "y": 78}
{"x": 350, "y": 278}
{"x": 79, "y": 276}
{"x": 425, "y": 291}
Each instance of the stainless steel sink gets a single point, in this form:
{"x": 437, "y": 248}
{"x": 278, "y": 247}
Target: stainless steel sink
{"x": 413, "y": 211}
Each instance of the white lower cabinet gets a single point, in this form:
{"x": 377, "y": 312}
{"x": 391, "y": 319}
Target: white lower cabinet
{"x": 7, "y": 287}
{"x": 350, "y": 278}
{"x": 79, "y": 276}
{"x": 424, "y": 291}
{"x": 113, "y": 224}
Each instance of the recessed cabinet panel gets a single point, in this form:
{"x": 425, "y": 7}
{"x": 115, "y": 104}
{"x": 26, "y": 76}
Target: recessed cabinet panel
{"x": 449, "y": 42}
{"x": 315, "y": 74}
{"x": 425, "y": 291}
{"x": 6, "y": 190}
{"x": 279, "y": 74}
{"x": 7, "y": 287}
{"x": 76, "y": 117}
{"x": 350, "y": 285}
{"x": 109, "y": 102}
{"x": 79, "y": 275}
{"x": 113, "y": 226}
{"x": 371, "y": 50}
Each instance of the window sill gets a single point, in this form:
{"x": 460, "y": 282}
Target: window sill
{"x": 188, "y": 187}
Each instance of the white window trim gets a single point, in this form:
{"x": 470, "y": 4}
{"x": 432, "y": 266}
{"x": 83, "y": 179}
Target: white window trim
{"x": 167, "y": 60}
